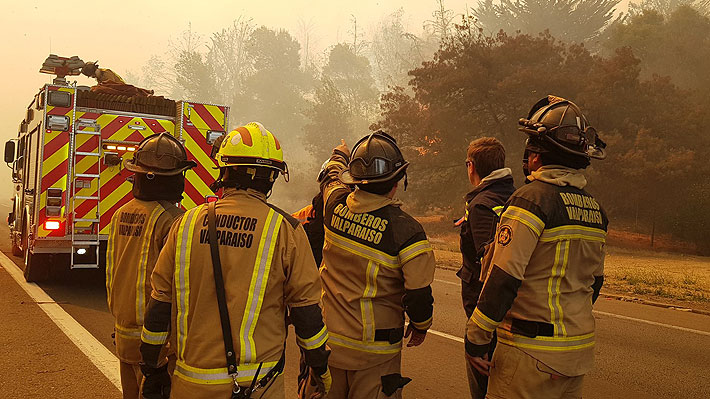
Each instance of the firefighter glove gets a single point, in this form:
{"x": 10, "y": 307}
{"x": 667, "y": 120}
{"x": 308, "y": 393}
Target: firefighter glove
{"x": 317, "y": 387}
{"x": 156, "y": 384}
{"x": 342, "y": 149}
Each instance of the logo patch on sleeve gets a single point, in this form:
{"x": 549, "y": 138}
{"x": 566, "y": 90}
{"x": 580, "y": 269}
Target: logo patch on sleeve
{"x": 505, "y": 235}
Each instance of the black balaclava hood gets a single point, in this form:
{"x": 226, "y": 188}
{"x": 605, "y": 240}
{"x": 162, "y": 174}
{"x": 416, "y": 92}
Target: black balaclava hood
{"x": 158, "y": 188}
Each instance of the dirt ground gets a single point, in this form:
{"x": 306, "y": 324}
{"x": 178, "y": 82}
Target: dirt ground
{"x": 678, "y": 279}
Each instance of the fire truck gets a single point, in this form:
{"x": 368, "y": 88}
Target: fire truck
{"x": 67, "y": 165}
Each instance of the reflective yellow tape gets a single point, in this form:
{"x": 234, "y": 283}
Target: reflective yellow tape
{"x": 483, "y": 321}
{"x": 257, "y": 287}
{"x": 245, "y": 373}
{"x": 366, "y": 308}
{"x": 182, "y": 275}
{"x": 154, "y": 338}
{"x": 356, "y": 248}
{"x": 558, "y": 294}
{"x": 110, "y": 254}
{"x": 376, "y": 347}
{"x": 573, "y": 232}
{"x": 147, "y": 237}
{"x": 422, "y": 325}
{"x": 414, "y": 250}
{"x": 316, "y": 341}
{"x": 525, "y": 217}
{"x": 127, "y": 332}
{"x": 553, "y": 344}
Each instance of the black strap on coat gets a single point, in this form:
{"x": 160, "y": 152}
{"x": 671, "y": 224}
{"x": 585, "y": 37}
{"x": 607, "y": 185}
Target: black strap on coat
{"x": 219, "y": 285}
{"x": 237, "y": 391}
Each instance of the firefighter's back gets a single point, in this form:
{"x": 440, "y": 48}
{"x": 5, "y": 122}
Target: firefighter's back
{"x": 362, "y": 279}
{"x": 253, "y": 242}
{"x": 266, "y": 267}
{"x": 137, "y": 232}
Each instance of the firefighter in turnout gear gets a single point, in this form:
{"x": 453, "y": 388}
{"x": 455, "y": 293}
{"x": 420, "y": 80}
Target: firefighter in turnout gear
{"x": 137, "y": 233}
{"x": 229, "y": 272}
{"x": 311, "y": 217}
{"x": 493, "y": 185}
{"x": 547, "y": 265}
{"x": 377, "y": 266}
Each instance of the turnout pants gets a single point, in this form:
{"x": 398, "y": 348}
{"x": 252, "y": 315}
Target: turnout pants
{"x": 517, "y": 375}
{"x": 364, "y": 384}
{"x": 131, "y": 379}
{"x": 182, "y": 389}
{"x": 477, "y": 382}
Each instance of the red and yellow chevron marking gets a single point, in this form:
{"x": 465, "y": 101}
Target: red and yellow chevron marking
{"x": 115, "y": 190}
{"x": 54, "y": 175}
{"x": 51, "y": 110}
{"x": 203, "y": 116}
{"x": 197, "y": 120}
{"x": 54, "y": 166}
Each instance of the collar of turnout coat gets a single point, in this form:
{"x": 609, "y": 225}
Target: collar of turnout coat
{"x": 560, "y": 176}
{"x": 360, "y": 201}
{"x": 233, "y": 192}
{"x": 498, "y": 175}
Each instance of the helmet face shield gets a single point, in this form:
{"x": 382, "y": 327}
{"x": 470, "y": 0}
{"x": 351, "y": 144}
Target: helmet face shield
{"x": 375, "y": 158}
{"x": 376, "y": 167}
{"x": 560, "y": 124}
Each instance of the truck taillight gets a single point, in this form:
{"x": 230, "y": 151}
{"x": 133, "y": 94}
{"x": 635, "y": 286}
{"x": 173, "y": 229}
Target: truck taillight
{"x": 51, "y": 225}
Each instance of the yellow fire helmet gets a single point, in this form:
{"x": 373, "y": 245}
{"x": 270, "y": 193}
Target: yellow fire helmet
{"x": 251, "y": 145}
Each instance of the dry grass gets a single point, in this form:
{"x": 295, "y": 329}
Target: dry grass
{"x": 683, "y": 280}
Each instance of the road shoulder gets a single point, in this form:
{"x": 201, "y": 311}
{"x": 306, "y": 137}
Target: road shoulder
{"x": 38, "y": 359}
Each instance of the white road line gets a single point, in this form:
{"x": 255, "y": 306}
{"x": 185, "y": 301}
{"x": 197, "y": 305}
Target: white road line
{"x": 445, "y": 335}
{"x": 446, "y": 282}
{"x": 99, "y": 355}
{"x": 653, "y": 323}
{"x": 599, "y": 312}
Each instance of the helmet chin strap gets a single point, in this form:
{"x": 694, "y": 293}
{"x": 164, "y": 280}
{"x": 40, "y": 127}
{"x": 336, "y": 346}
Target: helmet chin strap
{"x": 406, "y": 182}
{"x": 219, "y": 183}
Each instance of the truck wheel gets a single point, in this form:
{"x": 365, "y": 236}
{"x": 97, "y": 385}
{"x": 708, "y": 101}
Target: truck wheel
{"x": 16, "y": 249}
{"x": 36, "y": 266}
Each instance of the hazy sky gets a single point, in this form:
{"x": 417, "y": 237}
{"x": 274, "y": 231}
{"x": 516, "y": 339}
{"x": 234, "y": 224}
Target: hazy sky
{"x": 123, "y": 34}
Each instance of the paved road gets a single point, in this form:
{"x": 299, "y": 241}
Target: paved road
{"x": 635, "y": 359}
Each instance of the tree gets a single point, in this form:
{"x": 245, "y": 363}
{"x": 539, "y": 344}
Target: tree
{"x": 274, "y": 89}
{"x": 352, "y": 75}
{"x": 394, "y": 51}
{"x": 230, "y": 61}
{"x": 344, "y": 104}
{"x": 667, "y": 7}
{"x": 328, "y": 117}
{"x": 677, "y": 45}
{"x": 568, "y": 20}
{"x": 442, "y": 24}
{"x": 478, "y": 85}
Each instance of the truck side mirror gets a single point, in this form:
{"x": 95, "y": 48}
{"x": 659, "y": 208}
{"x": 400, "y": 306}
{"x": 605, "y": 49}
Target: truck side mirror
{"x": 9, "y": 151}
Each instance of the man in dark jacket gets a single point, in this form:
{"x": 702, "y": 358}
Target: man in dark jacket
{"x": 493, "y": 184}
